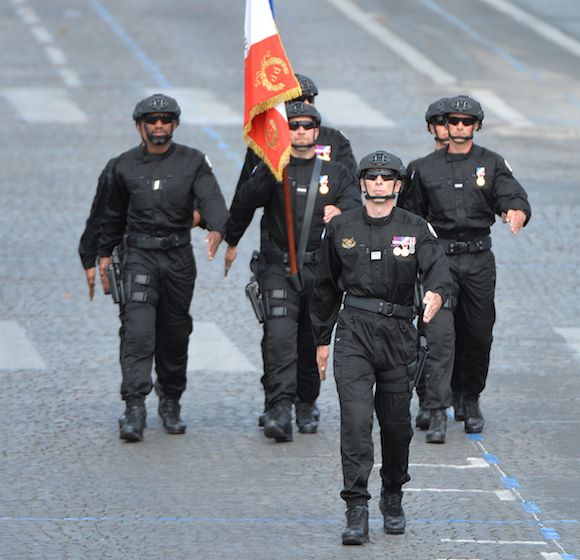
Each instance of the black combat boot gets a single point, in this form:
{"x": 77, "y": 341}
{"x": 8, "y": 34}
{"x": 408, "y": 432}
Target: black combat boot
{"x": 458, "y": 407}
{"x": 437, "y": 426}
{"x": 262, "y": 418}
{"x": 357, "y": 525}
{"x": 278, "y": 424}
{"x": 307, "y": 417}
{"x": 132, "y": 423}
{"x": 393, "y": 514}
{"x": 422, "y": 419}
{"x": 474, "y": 420}
{"x": 169, "y": 410}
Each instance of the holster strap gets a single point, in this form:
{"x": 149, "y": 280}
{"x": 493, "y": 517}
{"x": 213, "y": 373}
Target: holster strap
{"x": 386, "y": 385}
{"x": 380, "y": 307}
{"x": 452, "y": 247}
{"x": 144, "y": 241}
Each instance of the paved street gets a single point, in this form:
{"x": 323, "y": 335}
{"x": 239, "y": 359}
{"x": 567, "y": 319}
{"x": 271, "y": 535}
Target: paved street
{"x": 72, "y": 71}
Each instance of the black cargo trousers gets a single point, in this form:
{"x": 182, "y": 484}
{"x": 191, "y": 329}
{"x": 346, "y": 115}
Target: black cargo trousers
{"x": 155, "y": 320}
{"x": 434, "y": 387}
{"x": 288, "y": 348}
{"x": 474, "y": 281}
{"x": 371, "y": 350}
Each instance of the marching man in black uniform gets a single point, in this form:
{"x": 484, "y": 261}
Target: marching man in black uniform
{"x": 370, "y": 257}
{"x": 148, "y": 214}
{"x": 459, "y": 190}
{"x": 320, "y": 191}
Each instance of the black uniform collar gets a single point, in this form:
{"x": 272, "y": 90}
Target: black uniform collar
{"x": 152, "y": 157}
{"x": 377, "y": 221}
{"x": 301, "y": 161}
{"x": 459, "y": 157}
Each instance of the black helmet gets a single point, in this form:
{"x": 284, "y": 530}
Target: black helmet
{"x": 309, "y": 88}
{"x": 301, "y": 109}
{"x": 156, "y": 103}
{"x": 464, "y": 105}
{"x": 436, "y": 111}
{"x": 382, "y": 160}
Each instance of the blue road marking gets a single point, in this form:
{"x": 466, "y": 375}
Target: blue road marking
{"x": 550, "y": 534}
{"x": 510, "y": 482}
{"x": 531, "y": 507}
{"x": 491, "y": 459}
{"x": 155, "y": 71}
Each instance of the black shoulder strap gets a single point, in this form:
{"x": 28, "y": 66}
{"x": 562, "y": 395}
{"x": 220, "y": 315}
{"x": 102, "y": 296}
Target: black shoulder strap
{"x": 308, "y": 212}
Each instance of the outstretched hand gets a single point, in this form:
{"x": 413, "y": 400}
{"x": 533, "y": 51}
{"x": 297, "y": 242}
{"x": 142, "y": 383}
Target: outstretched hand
{"x": 433, "y": 303}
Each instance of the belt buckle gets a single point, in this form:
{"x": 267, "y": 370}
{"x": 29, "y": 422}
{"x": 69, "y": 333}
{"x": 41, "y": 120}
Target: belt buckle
{"x": 386, "y": 308}
{"x": 458, "y": 247}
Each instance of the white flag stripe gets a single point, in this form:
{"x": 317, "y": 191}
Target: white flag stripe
{"x": 16, "y": 350}
{"x": 211, "y": 349}
{"x": 340, "y": 107}
{"x": 201, "y": 107}
{"x": 258, "y": 24}
{"x": 44, "y": 105}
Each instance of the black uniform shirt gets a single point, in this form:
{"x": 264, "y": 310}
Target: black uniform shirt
{"x": 459, "y": 194}
{"x": 361, "y": 255}
{"x": 331, "y": 145}
{"x": 336, "y": 186}
{"x": 89, "y": 242}
{"x": 154, "y": 194}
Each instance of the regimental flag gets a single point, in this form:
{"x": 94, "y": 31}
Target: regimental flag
{"x": 269, "y": 82}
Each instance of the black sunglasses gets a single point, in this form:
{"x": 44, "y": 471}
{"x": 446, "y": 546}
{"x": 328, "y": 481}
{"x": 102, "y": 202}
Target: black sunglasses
{"x": 306, "y": 125}
{"x": 467, "y": 121}
{"x": 372, "y": 176}
{"x": 152, "y": 118}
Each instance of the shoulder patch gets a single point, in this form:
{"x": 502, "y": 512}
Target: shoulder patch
{"x": 431, "y": 230}
{"x": 208, "y": 162}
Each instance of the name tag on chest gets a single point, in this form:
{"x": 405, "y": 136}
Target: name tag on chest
{"x": 376, "y": 255}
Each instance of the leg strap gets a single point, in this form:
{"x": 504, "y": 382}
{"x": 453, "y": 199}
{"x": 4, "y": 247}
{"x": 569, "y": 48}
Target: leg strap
{"x": 387, "y": 385}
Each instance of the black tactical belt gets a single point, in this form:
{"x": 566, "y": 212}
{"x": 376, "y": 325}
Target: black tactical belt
{"x": 144, "y": 241}
{"x": 380, "y": 306}
{"x": 452, "y": 247}
{"x": 310, "y": 257}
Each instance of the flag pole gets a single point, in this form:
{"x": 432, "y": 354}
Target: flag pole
{"x": 294, "y": 278}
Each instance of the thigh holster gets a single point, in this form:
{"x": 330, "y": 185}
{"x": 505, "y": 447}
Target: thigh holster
{"x": 135, "y": 287}
{"x": 390, "y": 381}
{"x": 281, "y": 303}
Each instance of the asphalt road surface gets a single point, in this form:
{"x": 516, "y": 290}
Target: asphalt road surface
{"x": 71, "y": 73}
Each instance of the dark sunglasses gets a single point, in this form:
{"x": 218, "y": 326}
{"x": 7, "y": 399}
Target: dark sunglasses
{"x": 306, "y": 125}
{"x": 152, "y": 119}
{"x": 384, "y": 176}
{"x": 467, "y": 121}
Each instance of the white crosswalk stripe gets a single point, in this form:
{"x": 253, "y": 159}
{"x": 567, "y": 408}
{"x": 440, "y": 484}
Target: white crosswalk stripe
{"x": 340, "y": 107}
{"x": 44, "y": 105}
{"x": 16, "y": 350}
{"x": 202, "y": 107}
{"x": 211, "y": 349}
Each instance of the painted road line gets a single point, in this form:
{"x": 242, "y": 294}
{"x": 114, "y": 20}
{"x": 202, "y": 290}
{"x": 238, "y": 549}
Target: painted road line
{"x": 571, "y": 336}
{"x": 502, "y": 495}
{"x": 44, "y": 105}
{"x": 16, "y": 350}
{"x": 472, "y": 463}
{"x": 499, "y": 107}
{"x": 210, "y": 349}
{"x": 537, "y": 25}
{"x": 486, "y": 541}
{"x": 201, "y": 107}
{"x": 336, "y": 105}
{"x": 389, "y": 39}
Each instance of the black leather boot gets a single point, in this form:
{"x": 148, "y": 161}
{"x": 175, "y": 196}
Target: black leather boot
{"x": 357, "y": 525}
{"x": 169, "y": 410}
{"x": 307, "y": 417}
{"x": 474, "y": 420}
{"x": 458, "y": 410}
{"x": 422, "y": 419}
{"x": 437, "y": 426}
{"x": 393, "y": 514}
{"x": 278, "y": 424}
{"x": 262, "y": 419}
{"x": 132, "y": 423}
